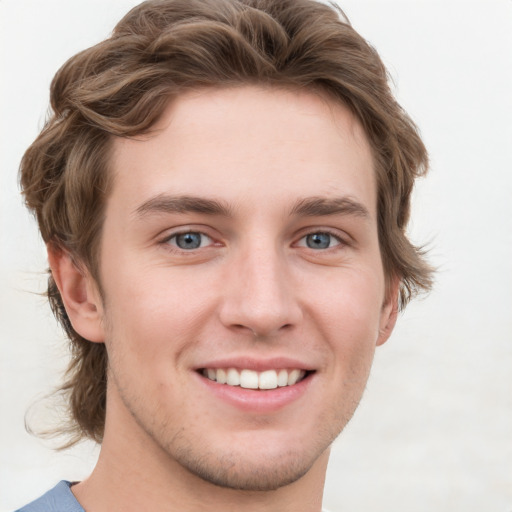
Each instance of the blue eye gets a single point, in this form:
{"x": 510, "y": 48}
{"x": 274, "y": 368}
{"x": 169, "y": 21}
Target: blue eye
{"x": 320, "y": 241}
{"x": 189, "y": 241}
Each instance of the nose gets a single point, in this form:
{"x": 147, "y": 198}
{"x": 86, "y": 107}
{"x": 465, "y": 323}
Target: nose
{"x": 259, "y": 295}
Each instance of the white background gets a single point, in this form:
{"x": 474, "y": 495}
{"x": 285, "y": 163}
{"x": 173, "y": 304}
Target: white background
{"x": 434, "y": 430}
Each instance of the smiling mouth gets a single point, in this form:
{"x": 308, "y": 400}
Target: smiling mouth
{"x": 250, "y": 379}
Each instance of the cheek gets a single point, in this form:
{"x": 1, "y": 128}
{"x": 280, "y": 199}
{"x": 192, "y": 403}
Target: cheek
{"x": 351, "y": 305}
{"x": 154, "y": 314}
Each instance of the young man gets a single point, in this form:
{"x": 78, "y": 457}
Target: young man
{"x": 224, "y": 189}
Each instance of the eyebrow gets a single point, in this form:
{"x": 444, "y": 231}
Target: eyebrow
{"x": 164, "y": 203}
{"x": 306, "y": 207}
{"x": 322, "y": 206}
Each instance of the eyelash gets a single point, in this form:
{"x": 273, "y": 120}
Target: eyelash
{"x": 341, "y": 241}
{"x": 167, "y": 240}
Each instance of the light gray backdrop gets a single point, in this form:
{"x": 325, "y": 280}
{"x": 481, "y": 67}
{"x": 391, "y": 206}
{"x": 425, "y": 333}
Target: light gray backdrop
{"x": 434, "y": 430}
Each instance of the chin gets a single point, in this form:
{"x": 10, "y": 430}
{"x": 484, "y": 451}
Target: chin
{"x": 239, "y": 472}
{"x": 252, "y": 464}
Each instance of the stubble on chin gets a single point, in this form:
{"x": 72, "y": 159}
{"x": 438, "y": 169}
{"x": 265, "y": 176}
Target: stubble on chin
{"x": 244, "y": 470}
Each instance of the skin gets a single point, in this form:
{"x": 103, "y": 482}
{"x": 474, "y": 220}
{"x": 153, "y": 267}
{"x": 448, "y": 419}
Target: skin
{"x": 255, "y": 290}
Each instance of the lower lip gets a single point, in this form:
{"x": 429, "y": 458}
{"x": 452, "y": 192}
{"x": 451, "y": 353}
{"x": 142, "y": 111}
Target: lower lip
{"x": 258, "y": 401}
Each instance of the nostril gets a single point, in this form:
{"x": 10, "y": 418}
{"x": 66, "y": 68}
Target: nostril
{"x": 261, "y": 332}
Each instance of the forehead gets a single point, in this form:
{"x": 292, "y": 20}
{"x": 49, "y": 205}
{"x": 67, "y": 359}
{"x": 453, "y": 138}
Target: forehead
{"x": 245, "y": 144}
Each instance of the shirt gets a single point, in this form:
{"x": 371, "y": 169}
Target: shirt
{"x": 58, "y": 499}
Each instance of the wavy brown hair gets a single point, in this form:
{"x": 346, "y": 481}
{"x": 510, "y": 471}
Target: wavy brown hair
{"x": 162, "y": 48}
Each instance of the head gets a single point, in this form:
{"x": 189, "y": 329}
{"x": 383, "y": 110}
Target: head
{"x": 164, "y": 50}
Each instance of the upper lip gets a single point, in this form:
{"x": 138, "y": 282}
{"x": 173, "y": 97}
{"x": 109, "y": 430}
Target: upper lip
{"x": 257, "y": 364}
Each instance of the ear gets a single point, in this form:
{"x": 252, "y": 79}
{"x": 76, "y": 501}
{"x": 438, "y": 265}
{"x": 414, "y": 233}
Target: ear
{"x": 79, "y": 294}
{"x": 389, "y": 312}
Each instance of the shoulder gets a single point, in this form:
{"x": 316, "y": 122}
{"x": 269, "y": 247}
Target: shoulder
{"x": 58, "y": 499}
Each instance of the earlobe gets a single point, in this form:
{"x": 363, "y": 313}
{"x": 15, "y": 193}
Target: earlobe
{"x": 79, "y": 294}
{"x": 389, "y": 312}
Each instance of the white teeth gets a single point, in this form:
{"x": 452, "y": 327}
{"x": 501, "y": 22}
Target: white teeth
{"x": 268, "y": 380}
{"x": 233, "y": 378}
{"x": 221, "y": 377}
{"x": 293, "y": 377}
{"x": 250, "y": 379}
{"x": 282, "y": 378}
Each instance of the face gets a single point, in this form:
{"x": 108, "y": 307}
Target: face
{"x": 243, "y": 286}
